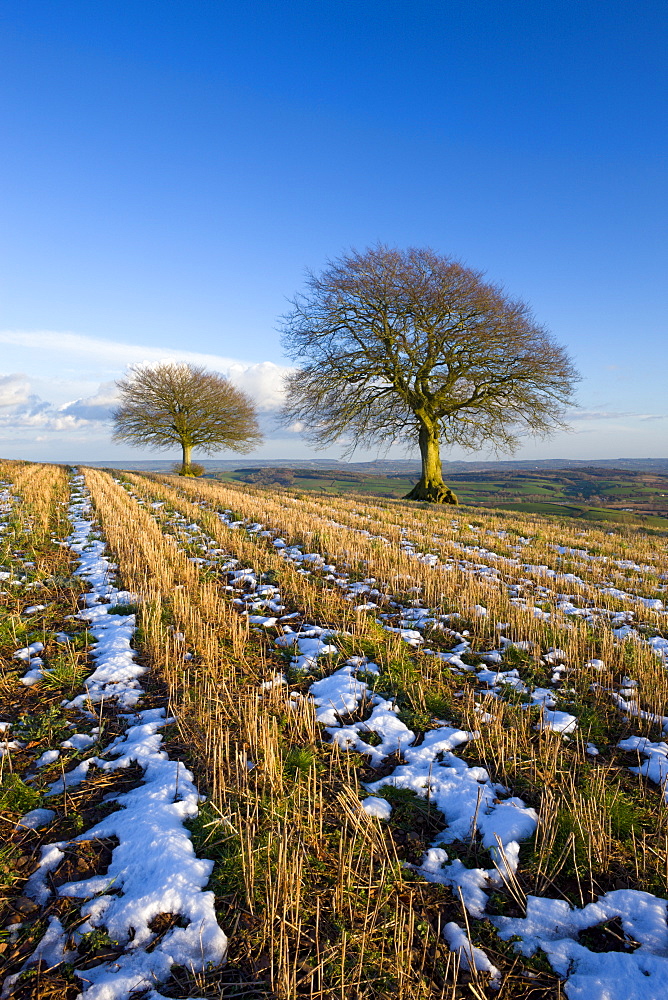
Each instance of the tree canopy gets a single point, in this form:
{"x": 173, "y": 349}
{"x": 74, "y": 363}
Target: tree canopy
{"x": 179, "y": 404}
{"x": 410, "y": 346}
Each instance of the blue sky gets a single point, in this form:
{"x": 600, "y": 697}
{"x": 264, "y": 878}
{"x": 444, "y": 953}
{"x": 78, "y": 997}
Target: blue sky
{"x": 171, "y": 167}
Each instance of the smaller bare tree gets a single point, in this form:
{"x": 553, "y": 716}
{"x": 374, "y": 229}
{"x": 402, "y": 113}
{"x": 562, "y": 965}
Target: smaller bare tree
{"x": 179, "y": 404}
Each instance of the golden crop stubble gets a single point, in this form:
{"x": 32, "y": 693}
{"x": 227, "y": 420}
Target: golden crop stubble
{"x": 392, "y": 568}
{"x": 447, "y": 589}
{"x": 538, "y": 761}
{"x": 175, "y": 601}
{"x": 444, "y": 588}
{"x": 450, "y": 589}
{"x": 41, "y": 488}
{"x": 274, "y": 848}
{"x": 40, "y": 517}
{"x": 296, "y": 590}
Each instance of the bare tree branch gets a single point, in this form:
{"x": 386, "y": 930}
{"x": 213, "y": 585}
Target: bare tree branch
{"x": 397, "y": 345}
{"x": 178, "y": 404}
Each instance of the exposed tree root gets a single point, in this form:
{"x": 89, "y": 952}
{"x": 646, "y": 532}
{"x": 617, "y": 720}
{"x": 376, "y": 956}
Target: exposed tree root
{"x": 432, "y": 491}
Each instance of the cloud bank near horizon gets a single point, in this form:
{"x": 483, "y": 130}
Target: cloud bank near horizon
{"x": 58, "y": 390}
{"x": 66, "y": 361}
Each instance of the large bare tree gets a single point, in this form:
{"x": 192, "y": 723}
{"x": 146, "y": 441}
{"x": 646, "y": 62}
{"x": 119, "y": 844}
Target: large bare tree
{"x": 411, "y": 346}
{"x": 178, "y": 404}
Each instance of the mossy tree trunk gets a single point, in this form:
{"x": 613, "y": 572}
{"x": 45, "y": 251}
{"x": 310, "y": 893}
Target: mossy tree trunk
{"x": 187, "y": 451}
{"x": 431, "y": 486}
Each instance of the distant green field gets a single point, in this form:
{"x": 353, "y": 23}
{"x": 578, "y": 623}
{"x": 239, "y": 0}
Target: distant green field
{"x": 567, "y": 495}
{"x": 375, "y": 485}
{"x": 587, "y": 513}
{"x": 379, "y": 486}
{"x": 627, "y": 490}
{"x": 503, "y": 486}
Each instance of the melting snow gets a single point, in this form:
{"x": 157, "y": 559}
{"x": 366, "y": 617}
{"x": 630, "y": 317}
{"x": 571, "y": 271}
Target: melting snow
{"x": 553, "y": 926}
{"x": 153, "y": 868}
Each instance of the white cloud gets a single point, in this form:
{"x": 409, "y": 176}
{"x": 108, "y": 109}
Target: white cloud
{"x": 96, "y": 407}
{"x": 36, "y": 414}
{"x": 58, "y": 352}
{"x": 60, "y": 407}
{"x": 23, "y": 410}
{"x": 613, "y": 415}
{"x": 14, "y": 389}
{"x": 63, "y": 408}
{"x": 75, "y": 347}
{"x": 263, "y": 382}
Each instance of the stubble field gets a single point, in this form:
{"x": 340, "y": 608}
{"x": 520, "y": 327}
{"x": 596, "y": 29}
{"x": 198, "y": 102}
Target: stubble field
{"x": 417, "y": 752}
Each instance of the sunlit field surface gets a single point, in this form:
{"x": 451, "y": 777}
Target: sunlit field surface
{"x": 419, "y": 751}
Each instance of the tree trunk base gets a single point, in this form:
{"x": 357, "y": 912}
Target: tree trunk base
{"x": 192, "y": 470}
{"x": 432, "y": 492}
